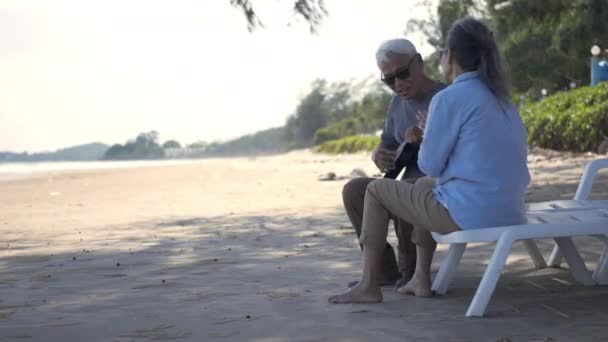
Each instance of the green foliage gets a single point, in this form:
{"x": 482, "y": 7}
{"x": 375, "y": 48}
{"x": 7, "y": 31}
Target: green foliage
{"x": 198, "y": 145}
{"x": 431, "y": 67}
{"x": 337, "y": 130}
{"x": 366, "y": 116}
{"x": 172, "y": 144}
{"x": 264, "y": 142}
{"x": 328, "y": 111}
{"x": 310, "y": 115}
{"x": 547, "y": 43}
{"x": 312, "y": 11}
{"x": 145, "y": 146}
{"x": 576, "y": 120}
{"x": 349, "y": 144}
{"x": 324, "y": 104}
{"x": 437, "y": 26}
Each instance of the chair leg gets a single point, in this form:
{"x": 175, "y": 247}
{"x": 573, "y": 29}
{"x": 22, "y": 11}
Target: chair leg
{"x": 598, "y": 267}
{"x": 575, "y": 262}
{"x": 448, "y": 267}
{"x": 535, "y": 255}
{"x": 600, "y": 276}
{"x": 490, "y": 277}
{"x": 556, "y": 258}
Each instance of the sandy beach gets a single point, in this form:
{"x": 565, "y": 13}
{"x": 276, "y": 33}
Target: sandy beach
{"x": 249, "y": 249}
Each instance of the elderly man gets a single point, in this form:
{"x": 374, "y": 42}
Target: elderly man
{"x": 402, "y": 71}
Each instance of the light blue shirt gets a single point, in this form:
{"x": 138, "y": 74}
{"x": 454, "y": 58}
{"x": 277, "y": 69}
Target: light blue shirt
{"x": 475, "y": 147}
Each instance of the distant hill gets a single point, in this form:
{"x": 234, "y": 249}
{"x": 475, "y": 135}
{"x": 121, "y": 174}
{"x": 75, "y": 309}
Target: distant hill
{"x": 86, "y": 152}
{"x": 268, "y": 141}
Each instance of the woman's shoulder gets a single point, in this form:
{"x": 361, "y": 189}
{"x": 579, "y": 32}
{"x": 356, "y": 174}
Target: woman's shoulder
{"x": 444, "y": 95}
{"x": 473, "y": 90}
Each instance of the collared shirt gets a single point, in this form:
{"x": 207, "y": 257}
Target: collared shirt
{"x": 475, "y": 146}
{"x": 401, "y": 115}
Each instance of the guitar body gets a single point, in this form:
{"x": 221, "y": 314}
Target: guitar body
{"x": 407, "y": 155}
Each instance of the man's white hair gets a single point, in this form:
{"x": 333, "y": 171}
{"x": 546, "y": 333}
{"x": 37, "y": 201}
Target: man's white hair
{"x": 399, "y": 46}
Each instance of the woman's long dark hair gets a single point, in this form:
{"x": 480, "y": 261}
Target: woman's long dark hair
{"x": 472, "y": 45}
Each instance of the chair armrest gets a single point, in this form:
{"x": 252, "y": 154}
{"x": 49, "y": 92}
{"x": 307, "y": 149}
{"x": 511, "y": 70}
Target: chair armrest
{"x": 589, "y": 173}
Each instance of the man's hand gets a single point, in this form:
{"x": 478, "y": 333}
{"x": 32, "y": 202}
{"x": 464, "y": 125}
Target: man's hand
{"x": 383, "y": 158}
{"x": 421, "y": 116}
{"x": 413, "y": 135}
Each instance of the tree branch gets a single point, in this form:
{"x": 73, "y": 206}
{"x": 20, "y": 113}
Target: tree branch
{"x": 313, "y": 12}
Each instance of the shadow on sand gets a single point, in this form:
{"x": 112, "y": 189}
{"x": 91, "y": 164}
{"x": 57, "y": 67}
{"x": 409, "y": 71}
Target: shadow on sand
{"x": 267, "y": 278}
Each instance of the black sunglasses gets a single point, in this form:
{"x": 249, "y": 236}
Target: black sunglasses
{"x": 401, "y": 73}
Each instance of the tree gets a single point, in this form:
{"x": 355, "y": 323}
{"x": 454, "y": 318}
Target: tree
{"x": 547, "y": 43}
{"x": 309, "y": 117}
{"x": 271, "y": 140}
{"x": 312, "y": 11}
{"x": 436, "y": 27}
{"x": 171, "y": 144}
{"x": 364, "y": 116}
{"x": 323, "y": 105}
{"x": 147, "y": 139}
{"x": 145, "y": 146}
{"x": 198, "y": 145}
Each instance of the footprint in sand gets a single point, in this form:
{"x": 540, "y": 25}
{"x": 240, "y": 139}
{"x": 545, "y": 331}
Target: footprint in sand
{"x": 151, "y": 286}
{"x": 227, "y": 320}
{"x": 208, "y": 295}
{"x": 279, "y": 294}
{"x": 161, "y": 332}
{"x": 224, "y": 334}
{"x": 118, "y": 275}
{"x": 5, "y": 315}
{"x": 20, "y": 335}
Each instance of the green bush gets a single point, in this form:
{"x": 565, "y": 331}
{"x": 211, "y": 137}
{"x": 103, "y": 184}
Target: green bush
{"x": 350, "y": 144}
{"x": 575, "y": 120}
{"x": 346, "y": 128}
{"x": 337, "y": 130}
{"x": 365, "y": 116}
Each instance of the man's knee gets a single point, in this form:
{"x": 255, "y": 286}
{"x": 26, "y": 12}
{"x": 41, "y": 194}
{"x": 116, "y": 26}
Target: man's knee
{"x": 355, "y": 188}
{"x": 380, "y": 187}
{"x": 426, "y": 182}
{"x": 411, "y": 180}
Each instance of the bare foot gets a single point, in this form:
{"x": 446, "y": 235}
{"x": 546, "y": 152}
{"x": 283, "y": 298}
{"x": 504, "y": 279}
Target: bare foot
{"x": 401, "y": 282}
{"x": 417, "y": 288}
{"x": 381, "y": 281}
{"x": 358, "y": 295}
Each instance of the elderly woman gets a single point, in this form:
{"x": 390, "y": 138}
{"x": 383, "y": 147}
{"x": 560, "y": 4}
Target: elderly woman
{"x": 474, "y": 149}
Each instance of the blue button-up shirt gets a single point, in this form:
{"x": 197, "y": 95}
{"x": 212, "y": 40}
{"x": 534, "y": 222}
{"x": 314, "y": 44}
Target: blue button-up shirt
{"x": 475, "y": 146}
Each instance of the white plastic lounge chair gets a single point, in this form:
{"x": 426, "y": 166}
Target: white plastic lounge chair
{"x": 581, "y": 199}
{"x": 559, "y": 220}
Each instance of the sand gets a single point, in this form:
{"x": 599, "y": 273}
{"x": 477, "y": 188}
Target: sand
{"x": 249, "y": 249}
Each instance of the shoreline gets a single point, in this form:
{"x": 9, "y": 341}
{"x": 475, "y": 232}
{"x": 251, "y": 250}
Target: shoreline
{"x": 25, "y": 170}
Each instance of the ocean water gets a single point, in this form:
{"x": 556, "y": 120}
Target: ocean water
{"x": 12, "y": 171}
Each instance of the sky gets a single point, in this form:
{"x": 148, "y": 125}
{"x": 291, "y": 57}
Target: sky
{"x": 80, "y": 71}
